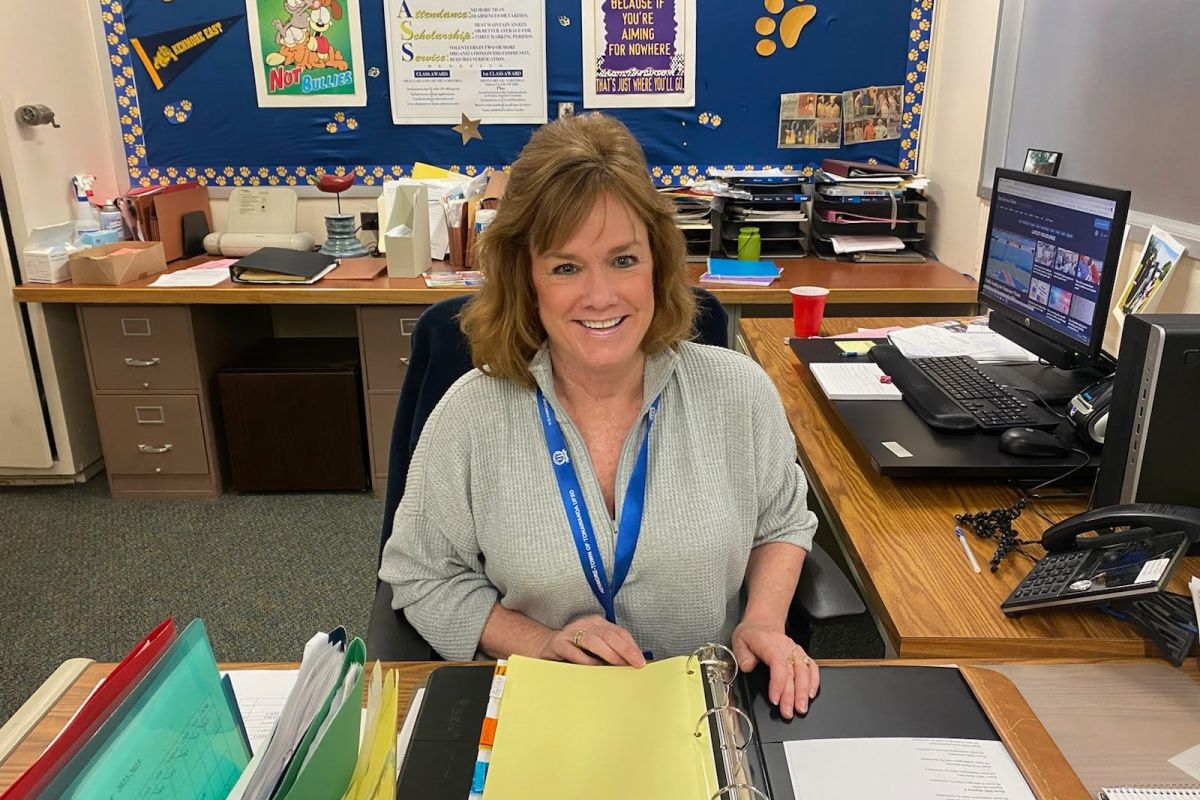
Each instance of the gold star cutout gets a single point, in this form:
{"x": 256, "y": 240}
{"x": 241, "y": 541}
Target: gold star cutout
{"x": 468, "y": 129}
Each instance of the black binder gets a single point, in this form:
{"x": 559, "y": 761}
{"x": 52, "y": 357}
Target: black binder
{"x": 746, "y": 730}
{"x": 281, "y": 265}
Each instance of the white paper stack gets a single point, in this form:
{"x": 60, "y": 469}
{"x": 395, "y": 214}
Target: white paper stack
{"x": 866, "y": 244}
{"x": 858, "y": 380}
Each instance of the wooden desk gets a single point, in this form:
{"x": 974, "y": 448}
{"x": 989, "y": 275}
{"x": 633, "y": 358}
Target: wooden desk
{"x": 929, "y": 284}
{"x": 898, "y": 536}
{"x": 209, "y": 324}
{"x": 1040, "y": 760}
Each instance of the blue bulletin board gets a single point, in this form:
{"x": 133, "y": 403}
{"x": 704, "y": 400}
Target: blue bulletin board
{"x": 204, "y": 123}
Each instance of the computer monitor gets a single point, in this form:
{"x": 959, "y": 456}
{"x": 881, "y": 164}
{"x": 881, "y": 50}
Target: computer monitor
{"x": 1049, "y": 264}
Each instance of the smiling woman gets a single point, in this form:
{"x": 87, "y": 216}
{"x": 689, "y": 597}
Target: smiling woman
{"x": 585, "y": 494}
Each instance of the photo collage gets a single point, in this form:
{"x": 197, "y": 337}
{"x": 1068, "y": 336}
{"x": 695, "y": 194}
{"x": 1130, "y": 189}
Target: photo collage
{"x": 872, "y": 114}
{"x": 826, "y": 120}
{"x": 810, "y": 119}
{"x": 1058, "y": 281}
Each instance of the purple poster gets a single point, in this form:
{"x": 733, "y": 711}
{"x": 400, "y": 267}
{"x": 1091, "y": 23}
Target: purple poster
{"x": 639, "y": 53}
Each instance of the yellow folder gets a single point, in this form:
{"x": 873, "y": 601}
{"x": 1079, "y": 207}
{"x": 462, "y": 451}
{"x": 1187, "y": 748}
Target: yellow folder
{"x": 595, "y": 733}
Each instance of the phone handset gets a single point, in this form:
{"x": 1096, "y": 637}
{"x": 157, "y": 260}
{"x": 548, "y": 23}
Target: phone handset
{"x": 1144, "y": 518}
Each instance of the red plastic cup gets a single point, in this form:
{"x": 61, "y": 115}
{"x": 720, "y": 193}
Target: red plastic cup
{"x": 808, "y": 308}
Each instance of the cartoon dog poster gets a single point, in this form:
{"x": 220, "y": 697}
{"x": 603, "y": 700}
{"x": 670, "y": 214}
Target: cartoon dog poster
{"x": 307, "y": 53}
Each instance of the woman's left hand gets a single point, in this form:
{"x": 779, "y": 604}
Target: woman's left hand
{"x": 794, "y": 676}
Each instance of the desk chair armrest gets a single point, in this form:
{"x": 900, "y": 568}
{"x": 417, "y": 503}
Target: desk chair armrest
{"x": 390, "y": 636}
{"x": 824, "y": 591}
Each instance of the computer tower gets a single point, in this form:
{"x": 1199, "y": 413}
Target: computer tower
{"x": 1152, "y": 444}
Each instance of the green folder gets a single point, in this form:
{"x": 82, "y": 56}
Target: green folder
{"x": 176, "y": 735}
{"x": 328, "y": 772}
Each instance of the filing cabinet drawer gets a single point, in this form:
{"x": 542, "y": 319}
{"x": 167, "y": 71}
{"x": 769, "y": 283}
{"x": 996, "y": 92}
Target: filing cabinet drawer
{"x": 381, "y": 414}
{"x": 386, "y": 333}
{"x": 152, "y": 434}
{"x": 139, "y": 348}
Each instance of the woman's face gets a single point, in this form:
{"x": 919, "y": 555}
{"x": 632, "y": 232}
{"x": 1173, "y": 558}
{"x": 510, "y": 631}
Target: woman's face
{"x": 595, "y": 293}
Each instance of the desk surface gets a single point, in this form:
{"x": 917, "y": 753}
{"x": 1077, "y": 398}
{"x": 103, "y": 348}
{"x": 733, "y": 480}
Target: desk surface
{"x": 898, "y": 535}
{"x": 932, "y": 282}
{"x": 1035, "y": 752}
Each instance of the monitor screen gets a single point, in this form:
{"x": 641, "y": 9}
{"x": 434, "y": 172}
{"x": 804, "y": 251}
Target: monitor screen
{"x": 1052, "y": 248}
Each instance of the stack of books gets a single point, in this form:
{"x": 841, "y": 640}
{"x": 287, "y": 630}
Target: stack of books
{"x": 730, "y": 272}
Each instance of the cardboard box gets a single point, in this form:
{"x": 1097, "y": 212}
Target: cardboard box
{"x": 114, "y": 264}
{"x": 46, "y": 253}
{"x": 494, "y": 192}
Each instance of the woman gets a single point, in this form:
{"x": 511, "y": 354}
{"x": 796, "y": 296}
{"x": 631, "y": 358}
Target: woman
{"x": 593, "y": 432}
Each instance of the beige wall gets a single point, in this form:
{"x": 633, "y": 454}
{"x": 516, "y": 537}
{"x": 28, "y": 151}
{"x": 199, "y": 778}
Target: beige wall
{"x": 51, "y": 55}
{"x": 953, "y": 128}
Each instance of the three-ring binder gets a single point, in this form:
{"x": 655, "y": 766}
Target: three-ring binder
{"x": 731, "y": 727}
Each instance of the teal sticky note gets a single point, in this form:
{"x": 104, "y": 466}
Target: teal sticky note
{"x": 743, "y": 269}
{"x": 175, "y": 735}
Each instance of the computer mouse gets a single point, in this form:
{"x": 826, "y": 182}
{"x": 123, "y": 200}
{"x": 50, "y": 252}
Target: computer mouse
{"x": 1034, "y": 443}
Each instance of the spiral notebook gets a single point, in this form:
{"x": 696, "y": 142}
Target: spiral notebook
{"x": 1180, "y": 792}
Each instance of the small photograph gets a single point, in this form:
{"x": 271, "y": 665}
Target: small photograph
{"x": 1010, "y": 261}
{"x": 854, "y": 132}
{"x": 890, "y": 100}
{"x": 1082, "y": 309}
{"x": 1044, "y": 257}
{"x": 829, "y": 106}
{"x": 806, "y": 105}
{"x": 1039, "y": 292}
{"x": 859, "y": 103}
{"x": 1155, "y": 267}
{"x": 1088, "y": 269}
{"x": 1065, "y": 260}
{"x": 1042, "y": 162}
{"x": 829, "y": 134}
{"x": 797, "y": 133}
{"x": 1060, "y": 299}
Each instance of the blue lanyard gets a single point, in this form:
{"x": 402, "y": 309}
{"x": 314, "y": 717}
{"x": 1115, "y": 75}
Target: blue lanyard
{"x": 577, "y": 512}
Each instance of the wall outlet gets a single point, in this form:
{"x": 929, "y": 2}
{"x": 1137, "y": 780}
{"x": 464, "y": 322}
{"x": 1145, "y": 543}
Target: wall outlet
{"x": 370, "y": 220}
{"x": 566, "y": 109}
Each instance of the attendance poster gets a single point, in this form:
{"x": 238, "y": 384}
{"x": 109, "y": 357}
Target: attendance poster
{"x": 448, "y": 58}
{"x": 307, "y": 53}
{"x": 639, "y": 53}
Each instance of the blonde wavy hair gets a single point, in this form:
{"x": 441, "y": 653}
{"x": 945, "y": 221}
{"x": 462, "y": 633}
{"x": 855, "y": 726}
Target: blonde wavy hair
{"x": 565, "y": 168}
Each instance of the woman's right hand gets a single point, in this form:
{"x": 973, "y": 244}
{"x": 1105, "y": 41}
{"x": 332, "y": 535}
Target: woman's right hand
{"x": 593, "y": 640}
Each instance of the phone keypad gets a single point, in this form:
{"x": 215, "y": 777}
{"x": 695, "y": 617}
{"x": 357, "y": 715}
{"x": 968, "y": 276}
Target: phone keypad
{"x": 1049, "y": 577}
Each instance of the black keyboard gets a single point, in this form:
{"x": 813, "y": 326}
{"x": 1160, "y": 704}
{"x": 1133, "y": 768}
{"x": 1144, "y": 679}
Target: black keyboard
{"x": 994, "y": 407}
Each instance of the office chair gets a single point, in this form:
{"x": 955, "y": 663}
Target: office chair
{"x": 439, "y": 357}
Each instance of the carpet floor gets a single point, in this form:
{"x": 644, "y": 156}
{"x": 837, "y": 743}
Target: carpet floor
{"x": 84, "y": 575}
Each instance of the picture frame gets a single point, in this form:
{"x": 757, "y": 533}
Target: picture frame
{"x": 1042, "y": 162}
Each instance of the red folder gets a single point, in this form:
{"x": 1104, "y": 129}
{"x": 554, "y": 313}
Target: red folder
{"x": 94, "y": 711}
{"x": 854, "y": 169}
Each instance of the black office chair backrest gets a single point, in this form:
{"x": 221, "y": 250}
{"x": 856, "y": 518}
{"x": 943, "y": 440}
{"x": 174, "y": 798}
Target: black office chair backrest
{"x": 440, "y": 356}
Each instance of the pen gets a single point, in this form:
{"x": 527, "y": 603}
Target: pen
{"x": 849, "y": 354}
{"x": 962, "y": 540}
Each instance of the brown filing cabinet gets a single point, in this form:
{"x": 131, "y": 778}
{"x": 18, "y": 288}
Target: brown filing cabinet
{"x": 385, "y": 342}
{"x": 152, "y": 372}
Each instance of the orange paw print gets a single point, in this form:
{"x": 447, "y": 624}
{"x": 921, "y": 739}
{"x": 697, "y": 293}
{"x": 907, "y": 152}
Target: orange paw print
{"x": 789, "y": 27}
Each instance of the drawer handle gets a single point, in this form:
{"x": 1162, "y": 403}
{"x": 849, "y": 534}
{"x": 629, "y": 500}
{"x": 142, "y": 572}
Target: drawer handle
{"x": 143, "y": 362}
{"x": 149, "y": 448}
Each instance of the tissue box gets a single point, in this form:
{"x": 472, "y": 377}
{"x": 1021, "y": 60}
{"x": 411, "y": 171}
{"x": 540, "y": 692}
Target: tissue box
{"x": 46, "y": 253}
{"x": 113, "y": 264}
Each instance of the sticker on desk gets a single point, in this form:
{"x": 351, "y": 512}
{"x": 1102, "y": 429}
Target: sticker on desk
{"x": 1152, "y": 570}
{"x": 897, "y": 450}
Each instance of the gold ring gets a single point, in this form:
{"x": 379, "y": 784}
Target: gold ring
{"x": 577, "y": 639}
{"x": 799, "y": 657}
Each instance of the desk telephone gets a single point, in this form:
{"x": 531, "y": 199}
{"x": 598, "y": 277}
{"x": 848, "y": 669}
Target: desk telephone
{"x": 1126, "y": 564}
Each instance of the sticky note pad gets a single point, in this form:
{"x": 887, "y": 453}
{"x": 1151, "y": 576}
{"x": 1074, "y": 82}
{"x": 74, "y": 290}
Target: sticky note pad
{"x": 855, "y": 346}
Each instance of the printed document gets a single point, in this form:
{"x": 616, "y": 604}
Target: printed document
{"x": 937, "y": 769}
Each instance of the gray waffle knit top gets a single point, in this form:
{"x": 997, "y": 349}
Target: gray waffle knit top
{"x": 482, "y": 520}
